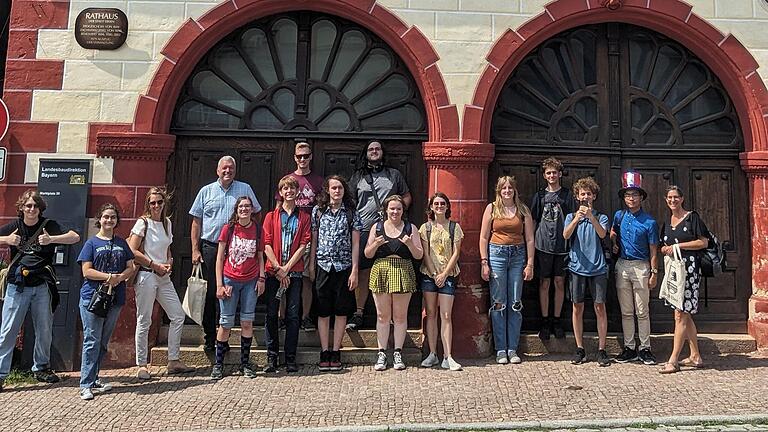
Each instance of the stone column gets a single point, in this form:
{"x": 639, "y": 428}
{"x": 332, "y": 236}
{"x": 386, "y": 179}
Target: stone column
{"x": 460, "y": 170}
{"x": 755, "y": 164}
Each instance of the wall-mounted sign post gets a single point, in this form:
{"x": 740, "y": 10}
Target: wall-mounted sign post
{"x": 101, "y": 28}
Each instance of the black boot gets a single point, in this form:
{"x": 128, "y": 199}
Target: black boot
{"x": 544, "y": 332}
{"x": 557, "y": 328}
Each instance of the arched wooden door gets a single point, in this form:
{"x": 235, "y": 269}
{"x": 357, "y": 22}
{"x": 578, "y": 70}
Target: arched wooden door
{"x": 300, "y": 75}
{"x": 605, "y": 98}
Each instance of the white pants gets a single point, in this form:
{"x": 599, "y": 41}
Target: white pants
{"x": 150, "y": 287}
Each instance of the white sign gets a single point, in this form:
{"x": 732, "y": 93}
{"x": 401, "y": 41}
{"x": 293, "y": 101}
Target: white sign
{"x": 3, "y": 152}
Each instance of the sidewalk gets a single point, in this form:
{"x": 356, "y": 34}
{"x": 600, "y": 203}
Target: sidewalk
{"x": 536, "y": 393}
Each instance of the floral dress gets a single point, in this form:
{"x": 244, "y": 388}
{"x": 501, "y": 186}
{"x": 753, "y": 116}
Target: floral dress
{"x": 688, "y": 229}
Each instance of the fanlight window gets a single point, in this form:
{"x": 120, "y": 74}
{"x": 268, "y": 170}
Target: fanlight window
{"x": 301, "y": 71}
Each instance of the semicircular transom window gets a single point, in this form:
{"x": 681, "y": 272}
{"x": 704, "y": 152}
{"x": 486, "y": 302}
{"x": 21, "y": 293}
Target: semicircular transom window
{"x": 301, "y": 72}
{"x": 562, "y": 92}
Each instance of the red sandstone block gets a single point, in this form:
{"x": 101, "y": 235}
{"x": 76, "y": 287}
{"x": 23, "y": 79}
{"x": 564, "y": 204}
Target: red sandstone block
{"x": 472, "y": 212}
{"x": 95, "y": 128}
{"x": 15, "y": 166}
{"x": 421, "y": 47}
{"x": 471, "y": 130}
{"x": 534, "y": 25}
{"x": 449, "y": 122}
{"x": 162, "y": 74}
{"x": 470, "y": 273}
{"x": 145, "y": 114}
{"x": 484, "y": 85}
{"x": 392, "y": 21}
{"x": 10, "y": 193}
{"x": 182, "y": 39}
{"x": 705, "y": 28}
{"x": 673, "y": 8}
{"x": 22, "y": 44}
{"x": 216, "y": 14}
{"x": 139, "y": 172}
{"x": 364, "y": 5}
{"x": 435, "y": 79}
{"x": 563, "y": 9}
{"x": 37, "y": 14}
{"x": 504, "y": 47}
{"x": 25, "y": 136}
{"x": 34, "y": 74}
{"x": 122, "y": 196}
{"x": 19, "y": 103}
{"x": 639, "y": 3}
{"x": 739, "y": 55}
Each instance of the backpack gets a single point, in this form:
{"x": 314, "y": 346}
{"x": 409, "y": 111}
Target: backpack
{"x": 451, "y": 232}
{"x": 713, "y": 260}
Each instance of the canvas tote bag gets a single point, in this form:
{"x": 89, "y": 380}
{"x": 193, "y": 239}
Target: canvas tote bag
{"x": 194, "y": 299}
{"x": 673, "y": 285}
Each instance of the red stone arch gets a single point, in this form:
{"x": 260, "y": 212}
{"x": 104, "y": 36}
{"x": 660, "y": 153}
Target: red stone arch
{"x": 196, "y": 37}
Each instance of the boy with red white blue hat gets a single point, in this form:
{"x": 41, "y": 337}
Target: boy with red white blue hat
{"x": 635, "y": 238}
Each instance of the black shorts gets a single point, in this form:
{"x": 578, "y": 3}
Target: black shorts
{"x": 550, "y": 265}
{"x": 332, "y": 294}
{"x": 597, "y": 286}
{"x": 365, "y": 263}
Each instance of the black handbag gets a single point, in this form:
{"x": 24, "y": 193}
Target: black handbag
{"x": 101, "y": 301}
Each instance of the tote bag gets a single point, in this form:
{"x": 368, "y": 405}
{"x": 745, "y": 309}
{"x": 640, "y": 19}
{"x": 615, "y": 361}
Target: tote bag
{"x": 673, "y": 285}
{"x": 194, "y": 299}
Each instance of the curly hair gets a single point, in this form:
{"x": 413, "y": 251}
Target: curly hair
{"x": 586, "y": 183}
{"x": 324, "y": 197}
{"x": 35, "y": 196}
{"x": 552, "y": 163}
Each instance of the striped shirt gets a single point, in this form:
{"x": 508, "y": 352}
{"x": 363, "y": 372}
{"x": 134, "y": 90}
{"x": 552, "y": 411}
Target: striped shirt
{"x": 214, "y": 205}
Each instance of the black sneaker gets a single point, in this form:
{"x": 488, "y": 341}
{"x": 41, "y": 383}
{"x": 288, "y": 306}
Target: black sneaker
{"x": 544, "y": 332}
{"x": 579, "y": 357}
{"x": 647, "y": 357}
{"x": 291, "y": 366}
{"x": 325, "y": 361}
{"x": 271, "y": 366}
{"x": 558, "y": 329}
{"x": 603, "y": 359}
{"x": 308, "y": 325}
{"x": 248, "y": 370}
{"x": 335, "y": 362}
{"x": 217, "y": 372}
{"x": 626, "y": 356}
{"x": 46, "y": 376}
{"x": 210, "y": 346}
{"x": 355, "y": 323}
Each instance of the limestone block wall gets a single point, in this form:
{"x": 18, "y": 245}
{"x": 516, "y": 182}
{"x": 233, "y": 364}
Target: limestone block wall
{"x": 100, "y": 87}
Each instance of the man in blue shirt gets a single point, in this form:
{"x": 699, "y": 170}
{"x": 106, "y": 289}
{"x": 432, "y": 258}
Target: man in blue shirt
{"x": 635, "y": 238}
{"x": 586, "y": 228}
{"x": 210, "y": 211}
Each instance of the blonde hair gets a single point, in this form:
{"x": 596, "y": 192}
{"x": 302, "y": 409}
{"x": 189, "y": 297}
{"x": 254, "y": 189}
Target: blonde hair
{"x": 498, "y": 206}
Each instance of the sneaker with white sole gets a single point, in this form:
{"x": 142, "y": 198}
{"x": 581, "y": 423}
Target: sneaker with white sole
{"x": 397, "y": 361}
{"x": 452, "y": 364}
{"x": 501, "y": 357}
{"x": 445, "y": 364}
{"x": 513, "y": 357}
{"x": 381, "y": 361}
{"x": 101, "y": 387}
{"x": 86, "y": 394}
{"x": 430, "y": 361}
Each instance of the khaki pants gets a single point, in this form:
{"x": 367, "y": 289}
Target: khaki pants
{"x": 632, "y": 290}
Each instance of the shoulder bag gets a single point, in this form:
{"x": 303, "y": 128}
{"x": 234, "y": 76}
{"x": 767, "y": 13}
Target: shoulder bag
{"x": 21, "y": 248}
{"x": 103, "y": 298}
{"x": 131, "y": 280}
{"x": 194, "y": 299}
{"x": 673, "y": 285}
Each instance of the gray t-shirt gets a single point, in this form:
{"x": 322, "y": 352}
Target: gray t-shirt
{"x": 549, "y": 233}
{"x": 387, "y": 182}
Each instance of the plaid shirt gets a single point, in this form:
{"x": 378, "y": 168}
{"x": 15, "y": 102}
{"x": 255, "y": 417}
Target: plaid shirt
{"x": 334, "y": 239}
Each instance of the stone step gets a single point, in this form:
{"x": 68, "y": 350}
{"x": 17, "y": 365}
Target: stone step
{"x": 193, "y": 335}
{"x": 196, "y": 356}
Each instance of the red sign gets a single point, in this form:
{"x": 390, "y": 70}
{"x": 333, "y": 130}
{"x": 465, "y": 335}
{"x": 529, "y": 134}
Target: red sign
{"x": 5, "y": 119}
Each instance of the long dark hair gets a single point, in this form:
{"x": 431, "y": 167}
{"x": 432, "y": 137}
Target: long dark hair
{"x": 324, "y": 198}
{"x": 362, "y": 159}
{"x": 233, "y": 218}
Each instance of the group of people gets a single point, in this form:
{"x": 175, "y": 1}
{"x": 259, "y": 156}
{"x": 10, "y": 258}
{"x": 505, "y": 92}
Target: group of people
{"x": 327, "y": 243}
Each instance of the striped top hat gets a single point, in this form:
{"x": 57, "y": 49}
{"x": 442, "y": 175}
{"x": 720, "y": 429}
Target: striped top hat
{"x": 632, "y": 180}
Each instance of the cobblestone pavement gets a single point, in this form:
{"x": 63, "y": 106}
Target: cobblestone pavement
{"x": 535, "y": 394}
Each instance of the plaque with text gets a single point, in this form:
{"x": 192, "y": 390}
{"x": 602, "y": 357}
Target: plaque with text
{"x": 101, "y": 28}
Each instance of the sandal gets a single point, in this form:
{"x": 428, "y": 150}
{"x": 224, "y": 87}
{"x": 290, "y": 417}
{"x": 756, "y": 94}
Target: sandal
{"x": 690, "y": 363}
{"x": 669, "y": 368}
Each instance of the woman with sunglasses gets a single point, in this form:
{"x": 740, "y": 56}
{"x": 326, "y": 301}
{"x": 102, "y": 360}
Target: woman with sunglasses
{"x": 106, "y": 259}
{"x": 150, "y": 242}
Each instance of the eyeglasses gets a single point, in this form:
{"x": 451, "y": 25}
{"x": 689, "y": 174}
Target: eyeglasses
{"x": 631, "y": 195}
{"x": 108, "y": 217}
{"x": 303, "y": 156}
{"x": 438, "y": 204}
{"x": 244, "y": 206}
{"x": 157, "y": 203}
{"x": 31, "y": 206}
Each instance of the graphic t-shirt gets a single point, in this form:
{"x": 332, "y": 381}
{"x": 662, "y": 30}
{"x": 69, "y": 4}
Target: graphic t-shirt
{"x": 387, "y": 181}
{"x": 34, "y": 256}
{"x": 309, "y": 188}
{"x": 241, "y": 262}
{"x": 549, "y": 232}
{"x": 108, "y": 256}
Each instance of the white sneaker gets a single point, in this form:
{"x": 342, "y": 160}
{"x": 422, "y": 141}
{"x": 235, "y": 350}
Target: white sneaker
{"x": 445, "y": 364}
{"x": 430, "y": 361}
{"x": 397, "y": 361}
{"x": 101, "y": 387}
{"x": 514, "y": 358}
{"x": 381, "y": 361}
{"x": 86, "y": 394}
{"x": 501, "y": 357}
{"x": 452, "y": 364}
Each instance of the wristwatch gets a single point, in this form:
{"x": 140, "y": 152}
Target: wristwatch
{"x": 654, "y": 271}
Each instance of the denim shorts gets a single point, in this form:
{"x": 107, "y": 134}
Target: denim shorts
{"x": 243, "y": 293}
{"x": 428, "y": 285}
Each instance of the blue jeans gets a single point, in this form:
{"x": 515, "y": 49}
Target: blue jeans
{"x": 271, "y": 331}
{"x": 506, "y": 286}
{"x": 96, "y": 334}
{"x": 243, "y": 293}
{"x": 36, "y": 299}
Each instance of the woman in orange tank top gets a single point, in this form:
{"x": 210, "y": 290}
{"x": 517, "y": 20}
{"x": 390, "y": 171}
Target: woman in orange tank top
{"x": 506, "y": 255}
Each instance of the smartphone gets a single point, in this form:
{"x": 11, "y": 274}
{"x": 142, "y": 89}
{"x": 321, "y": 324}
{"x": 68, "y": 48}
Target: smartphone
{"x": 584, "y": 203}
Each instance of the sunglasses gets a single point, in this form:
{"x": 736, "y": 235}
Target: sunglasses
{"x": 157, "y": 203}
{"x": 31, "y": 206}
{"x": 303, "y": 156}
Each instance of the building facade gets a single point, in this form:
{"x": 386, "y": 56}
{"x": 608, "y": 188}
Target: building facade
{"x": 460, "y": 92}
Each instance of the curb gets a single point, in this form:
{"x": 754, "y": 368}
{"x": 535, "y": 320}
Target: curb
{"x": 535, "y": 425}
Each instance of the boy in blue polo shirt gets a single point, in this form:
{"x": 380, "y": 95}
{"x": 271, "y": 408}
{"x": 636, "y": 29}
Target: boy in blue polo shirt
{"x": 635, "y": 237}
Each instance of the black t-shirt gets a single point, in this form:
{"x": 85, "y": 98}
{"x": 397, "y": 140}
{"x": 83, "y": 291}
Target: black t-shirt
{"x": 34, "y": 256}
{"x": 689, "y": 229}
